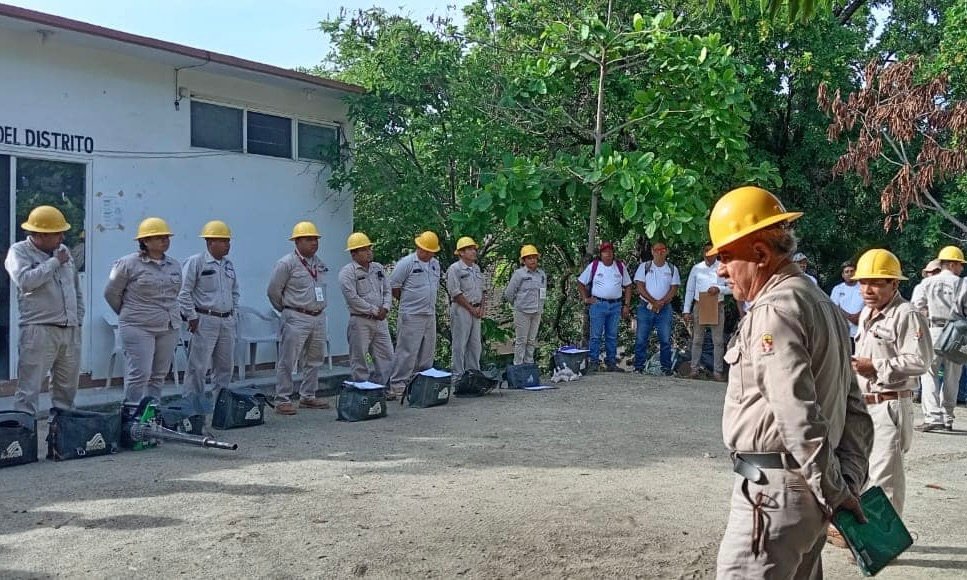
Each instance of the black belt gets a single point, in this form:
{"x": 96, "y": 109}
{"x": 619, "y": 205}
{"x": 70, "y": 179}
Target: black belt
{"x": 55, "y": 325}
{"x": 213, "y": 313}
{"x": 303, "y": 310}
{"x": 367, "y": 316}
{"x": 750, "y": 465}
{"x": 611, "y": 300}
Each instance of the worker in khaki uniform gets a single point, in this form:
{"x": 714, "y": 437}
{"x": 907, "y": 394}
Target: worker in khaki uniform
{"x": 793, "y": 419}
{"x": 209, "y": 300}
{"x": 51, "y": 311}
{"x": 526, "y": 292}
{"x": 143, "y": 290}
{"x": 415, "y": 281}
{"x": 466, "y": 287}
{"x": 941, "y": 298}
{"x": 297, "y": 290}
{"x": 931, "y": 269}
{"x": 893, "y": 348}
{"x": 365, "y": 286}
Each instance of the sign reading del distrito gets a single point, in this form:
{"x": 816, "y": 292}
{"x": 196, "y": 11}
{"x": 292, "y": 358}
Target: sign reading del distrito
{"x": 45, "y": 139}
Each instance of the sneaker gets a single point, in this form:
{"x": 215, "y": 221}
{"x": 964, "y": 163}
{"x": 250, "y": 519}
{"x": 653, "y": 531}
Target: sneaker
{"x": 285, "y": 408}
{"x": 615, "y": 369}
{"x": 927, "y": 427}
{"x": 313, "y": 404}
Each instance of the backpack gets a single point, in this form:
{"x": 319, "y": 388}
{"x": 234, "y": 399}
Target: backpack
{"x": 648, "y": 264}
{"x": 594, "y": 269}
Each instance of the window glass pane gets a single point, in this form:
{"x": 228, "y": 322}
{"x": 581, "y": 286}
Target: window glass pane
{"x": 216, "y": 127}
{"x": 269, "y": 135}
{"x": 317, "y": 142}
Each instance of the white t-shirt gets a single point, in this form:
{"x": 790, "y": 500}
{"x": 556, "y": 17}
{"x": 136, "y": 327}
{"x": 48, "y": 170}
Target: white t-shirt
{"x": 608, "y": 280}
{"x": 849, "y": 299}
{"x": 659, "y": 279}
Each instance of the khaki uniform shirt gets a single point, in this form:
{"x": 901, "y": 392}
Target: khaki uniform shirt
{"x": 467, "y": 280}
{"x": 144, "y": 292}
{"x": 208, "y": 284}
{"x": 48, "y": 292}
{"x": 418, "y": 283}
{"x": 365, "y": 290}
{"x": 792, "y": 389}
{"x": 942, "y": 298}
{"x": 527, "y": 290}
{"x": 898, "y": 342}
{"x": 292, "y": 284}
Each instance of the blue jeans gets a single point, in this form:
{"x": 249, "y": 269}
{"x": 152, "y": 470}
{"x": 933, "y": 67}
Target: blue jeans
{"x": 605, "y": 317}
{"x": 660, "y": 321}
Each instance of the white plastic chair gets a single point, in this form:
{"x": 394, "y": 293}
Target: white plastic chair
{"x": 254, "y": 327}
{"x": 112, "y": 320}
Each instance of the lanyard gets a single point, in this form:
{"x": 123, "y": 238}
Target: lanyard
{"x": 313, "y": 271}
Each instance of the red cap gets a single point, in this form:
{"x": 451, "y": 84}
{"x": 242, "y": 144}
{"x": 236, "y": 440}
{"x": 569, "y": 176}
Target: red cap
{"x": 606, "y": 246}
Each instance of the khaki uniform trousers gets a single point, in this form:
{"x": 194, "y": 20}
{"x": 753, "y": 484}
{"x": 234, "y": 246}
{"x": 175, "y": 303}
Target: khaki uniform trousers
{"x": 147, "y": 360}
{"x": 525, "y": 336}
{"x": 892, "y": 436}
{"x": 793, "y": 530}
{"x": 303, "y": 340}
{"x": 465, "y": 337}
{"x": 938, "y": 395}
{"x": 415, "y": 347}
{"x": 718, "y": 340}
{"x": 46, "y": 349}
{"x": 212, "y": 346}
{"x": 368, "y": 336}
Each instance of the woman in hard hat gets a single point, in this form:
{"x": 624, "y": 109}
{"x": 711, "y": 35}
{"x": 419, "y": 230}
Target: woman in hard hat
{"x": 526, "y": 292}
{"x": 468, "y": 295}
{"x": 143, "y": 290}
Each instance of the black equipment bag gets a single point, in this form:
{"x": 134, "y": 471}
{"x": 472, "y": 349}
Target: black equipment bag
{"x": 18, "y": 438}
{"x": 239, "y": 407}
{"x": 360, "y": 404}
{"x": 183, "y": 417}
{"x": 576, "y": 361}
{"x": 424, "y": 391}
{"x": 474, "y": 383}
{"x": 75, "y": 434}
{"x": 520, "y": 376}
{"x": 952, "y": 342}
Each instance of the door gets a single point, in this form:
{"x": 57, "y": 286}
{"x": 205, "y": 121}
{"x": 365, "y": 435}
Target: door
{"x": 38, "y": 182}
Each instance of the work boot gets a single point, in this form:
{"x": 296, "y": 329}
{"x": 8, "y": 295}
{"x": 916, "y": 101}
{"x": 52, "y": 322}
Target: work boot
{"x": 928, "y": 427}
{"x": 313, "y": 404}
{"x": 720, "y": 377}
{"x": 593, "y": 367}
{"x": 835, "y": 538}
{"x": 285, "y": 408}
{"x": 613, "y": 368}
{"x": 693, "y": 374}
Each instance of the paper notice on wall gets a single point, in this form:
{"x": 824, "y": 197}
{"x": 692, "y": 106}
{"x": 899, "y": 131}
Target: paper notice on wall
{"x": 109, "y": 212}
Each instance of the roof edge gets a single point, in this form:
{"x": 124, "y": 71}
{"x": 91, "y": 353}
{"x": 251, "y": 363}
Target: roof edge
{"x": 53, "y": 21}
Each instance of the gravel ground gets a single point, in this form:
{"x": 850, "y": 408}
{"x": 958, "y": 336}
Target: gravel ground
{"x": 610, "y": 476}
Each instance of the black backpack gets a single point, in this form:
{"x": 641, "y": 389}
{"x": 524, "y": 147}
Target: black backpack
{"x": 474, "y": 383}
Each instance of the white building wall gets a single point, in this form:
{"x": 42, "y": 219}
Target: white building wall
{"x": 143, "y": 157}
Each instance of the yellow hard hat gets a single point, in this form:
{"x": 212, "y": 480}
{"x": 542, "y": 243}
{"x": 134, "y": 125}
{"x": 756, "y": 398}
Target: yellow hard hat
{"x": 216, "y": 229}
{"x": 464, "y": 242}
{"x": 428, "y": 241}
{"x": 357, "y": 240}
{"x": 528, "y": 250}
{"x": 45, "y": 219}
{"x": 743, "y": 211}
{"x": 951, "y": 254}
{"x": 304, "y": 230}
{"x": 152, "y": 226}
{"x": 875, "y": 264}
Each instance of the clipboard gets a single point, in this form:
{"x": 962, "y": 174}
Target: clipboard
{"x": 708, "y": 309}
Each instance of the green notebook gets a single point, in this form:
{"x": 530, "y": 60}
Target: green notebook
{"x": 877, "y": 542}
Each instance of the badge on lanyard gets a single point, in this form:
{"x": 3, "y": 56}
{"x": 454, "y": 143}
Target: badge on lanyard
{"x": 319, "y": 295}
{"x": 542, "y": 293}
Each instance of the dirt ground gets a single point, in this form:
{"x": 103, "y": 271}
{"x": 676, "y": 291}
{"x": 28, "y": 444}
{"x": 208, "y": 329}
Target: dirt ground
{"x": 611, "y": 476}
